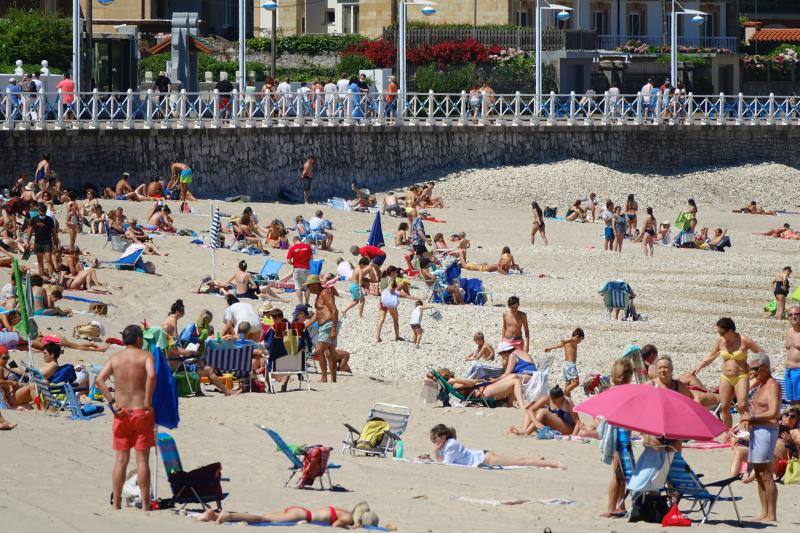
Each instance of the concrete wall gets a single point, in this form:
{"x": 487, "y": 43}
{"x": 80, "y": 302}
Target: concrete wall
{"x": 261, "y": 161}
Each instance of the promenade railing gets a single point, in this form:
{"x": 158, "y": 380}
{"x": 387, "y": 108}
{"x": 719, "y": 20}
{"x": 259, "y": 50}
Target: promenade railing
{"x": 153, "y": 110}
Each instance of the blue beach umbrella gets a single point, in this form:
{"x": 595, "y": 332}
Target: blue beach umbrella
{"x": 376, "y": 233}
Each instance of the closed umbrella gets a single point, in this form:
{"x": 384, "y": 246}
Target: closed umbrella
{"x": 376, "y": 233}
{"x": 653, "y": 411}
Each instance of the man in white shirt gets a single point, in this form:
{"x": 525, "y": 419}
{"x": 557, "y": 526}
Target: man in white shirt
{"x": 315, "y": 224}
{"x": 343, "y": 85}
{"x": 305, "y": 94}
{"x": 238, "y": 312}
{"x": 285, "y": 95}
{"x": 608, "y": 218}
{"x": 613, "y": 100}
{"x": 647, "y": 88}
{"x": 330, "y": 96}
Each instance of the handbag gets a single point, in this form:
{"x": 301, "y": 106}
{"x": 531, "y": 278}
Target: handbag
{"x": 675, "y": 518}
{"x": 651, "y": 508}
{"x": 99, "y": 309}
{"x": 792, "y": 471}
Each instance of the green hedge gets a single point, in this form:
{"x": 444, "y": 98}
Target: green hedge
{"x": 306, "y": 44}
{"x": 447, "y": 80}
{"x": 34, "y": 36}
{"x": 419, "y": 24}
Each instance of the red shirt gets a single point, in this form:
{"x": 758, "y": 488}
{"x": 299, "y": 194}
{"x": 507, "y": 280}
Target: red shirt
{"x": 370, "y": 251}
{"x": 300, "y": 255}
{"x": 67, "y": 87}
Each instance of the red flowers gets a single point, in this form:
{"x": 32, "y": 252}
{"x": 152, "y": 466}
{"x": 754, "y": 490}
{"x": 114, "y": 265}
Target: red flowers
{"x": 384, "y": 54}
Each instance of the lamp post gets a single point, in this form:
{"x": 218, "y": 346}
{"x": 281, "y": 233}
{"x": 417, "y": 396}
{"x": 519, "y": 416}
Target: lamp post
{"x": 698, "y": 17}
{"x": 76, "y": 44}
{"x": 242, "y": 45}
{"x": 563, "y": 14}
{"x": 272, "y": 7}
{"x": 427, "y": 10}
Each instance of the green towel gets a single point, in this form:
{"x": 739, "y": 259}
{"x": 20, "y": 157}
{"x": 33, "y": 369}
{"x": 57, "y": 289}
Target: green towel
{"x": 683, "y": 221}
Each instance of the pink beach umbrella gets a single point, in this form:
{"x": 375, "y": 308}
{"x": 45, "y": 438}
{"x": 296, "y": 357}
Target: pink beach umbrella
{"x": 653, "y": 411}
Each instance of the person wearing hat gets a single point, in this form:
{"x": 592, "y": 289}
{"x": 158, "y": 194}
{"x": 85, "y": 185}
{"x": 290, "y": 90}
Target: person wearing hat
{"x": 328, "y": 319}
{"x": 360, "y": 515}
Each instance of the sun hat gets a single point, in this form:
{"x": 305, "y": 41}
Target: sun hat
{"x": 266, "y": 308}
{"x": 359, "y": 510}
{"x": 505, "y": 346}
{"x": 369, "y": 519}
{"x": 312, "y": 280}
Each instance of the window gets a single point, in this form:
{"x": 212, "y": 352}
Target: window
{"x": 599, "y": 22}
{"x": 330, "y": 16}
{"x": 350, "y": 18}
{"x": 708, "y": 29}
{"x": 634, "y": 23}
{"x": 522, "y": 18}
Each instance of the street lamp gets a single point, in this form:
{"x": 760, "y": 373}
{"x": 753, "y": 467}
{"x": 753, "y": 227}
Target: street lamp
{"x": 272, "y": 7}
{"x": 698, "y": 17}
{"x": 76, "y": 45}
{"x": 563, "y": 14}
{"x": 242, "y": 45}
{"x": 427, "y": 10}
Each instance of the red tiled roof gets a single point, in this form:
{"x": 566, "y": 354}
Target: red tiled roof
{"x": 196, "y": 42}
{"x": 777, "y": 35}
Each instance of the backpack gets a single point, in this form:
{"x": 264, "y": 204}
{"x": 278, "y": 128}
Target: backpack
{"x": 315, "y": 464}
{"x": 372, "y": 434}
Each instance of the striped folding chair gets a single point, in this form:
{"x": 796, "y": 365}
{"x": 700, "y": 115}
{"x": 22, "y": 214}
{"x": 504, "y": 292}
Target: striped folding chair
{"x": 46, "y": 394}
{"x": 75, "y": 407}
{"x": 616, "y": 295}
{"x": 231, "y": 356}
{"x": 687, "y": 485}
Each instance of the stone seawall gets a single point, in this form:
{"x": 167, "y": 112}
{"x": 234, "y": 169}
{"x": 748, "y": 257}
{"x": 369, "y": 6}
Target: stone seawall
{"x": 262, "y": 162}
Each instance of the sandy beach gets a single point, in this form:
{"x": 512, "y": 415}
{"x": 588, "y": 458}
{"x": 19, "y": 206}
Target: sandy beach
{"x": 56, "y": 473}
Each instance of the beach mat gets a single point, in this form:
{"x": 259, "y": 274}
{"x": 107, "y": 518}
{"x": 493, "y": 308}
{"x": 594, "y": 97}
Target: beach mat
{"x": 498, "y": 503}
{"x": 193, "y": 516}
{"x": 706, "y": 445}
{"x": 483, "y": 467}
{"x": 80, "y": 299}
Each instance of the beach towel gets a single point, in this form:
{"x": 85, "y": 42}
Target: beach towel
{"x": 712, "y": 445}
{"x": 339, "y": 203}
{"x": 433, "y": 219}
{"x": 498, "y": 503}
{"x": 84, "y": 300}
{"x": 482, "y": 467}
{"x": 650, "y": 473}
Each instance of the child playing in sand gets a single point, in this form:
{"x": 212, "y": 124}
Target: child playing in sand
{"x": 416, "y": 321}
{"x": 483, "y": 350}
{"x": 569, "y": 369}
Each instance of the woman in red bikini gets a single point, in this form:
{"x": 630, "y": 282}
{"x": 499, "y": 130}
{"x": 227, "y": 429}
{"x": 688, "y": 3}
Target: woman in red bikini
{"x": 333, "y": 516}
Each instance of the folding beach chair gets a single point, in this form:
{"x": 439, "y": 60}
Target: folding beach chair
{"x": 297, "y": 464}
{"x": 269, "y": 272}
{"x": 395, "y": 415}
{"x": 201, "y": 485}
{"x": 447, "y": 390}
{"x": 686, "y": 485}
{"x": 287, "y": 355}
{"x": 131, "y": 259}
{"x": 78, "y": 410}
{"x": 231, "y": 356}
{"x": 316, "y": 267}
{"x": 46, "y": 394}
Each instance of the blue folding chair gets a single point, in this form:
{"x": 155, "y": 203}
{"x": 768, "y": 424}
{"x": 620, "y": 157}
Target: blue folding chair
{"x": 131, "y": 260}
{"x": 271, "y": 270}
{"x": 316, "y": 266}
{"x": 297, "y": 464}
{"x": 682, "y": 481}
{"x": 231, "y": 356}
{"x": 79, "y": 411}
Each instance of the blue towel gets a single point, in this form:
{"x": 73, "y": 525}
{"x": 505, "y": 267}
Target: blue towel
{"x": 650, "y": 473}
{"x": 79, "y": 299}
{"x": 321, "y": 524}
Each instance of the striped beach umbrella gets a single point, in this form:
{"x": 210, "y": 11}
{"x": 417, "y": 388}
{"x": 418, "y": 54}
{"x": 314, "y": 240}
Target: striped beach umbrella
{"x": 215, "y": 228}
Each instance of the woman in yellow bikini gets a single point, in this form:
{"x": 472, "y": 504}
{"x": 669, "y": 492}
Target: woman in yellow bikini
{"x": 733, "y": 348}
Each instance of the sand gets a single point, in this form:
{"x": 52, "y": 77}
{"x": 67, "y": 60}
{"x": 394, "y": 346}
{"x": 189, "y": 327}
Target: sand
{"x": 56, "y": 472}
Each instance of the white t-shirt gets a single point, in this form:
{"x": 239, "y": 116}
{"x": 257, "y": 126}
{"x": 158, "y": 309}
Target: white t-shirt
{"x": 330, "y": 91}
{"x": 305, "y": 92}
{"x": 241, "y": 312}
{"x": 455, "y": 453}
{"x": 607, "y": 216}
{"x": 389, "y": 299}
{"x": 314, "y": 223}
{"x": 343, "y": 85}
{"x": 284, "y": 87}
{"x": 416, "y": 316}
{"x": 345, "y": 270}
{"x": 647, "y": 89}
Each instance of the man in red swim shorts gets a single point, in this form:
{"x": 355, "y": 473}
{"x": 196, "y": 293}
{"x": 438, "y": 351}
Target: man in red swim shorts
{"x": 132, "y": 403}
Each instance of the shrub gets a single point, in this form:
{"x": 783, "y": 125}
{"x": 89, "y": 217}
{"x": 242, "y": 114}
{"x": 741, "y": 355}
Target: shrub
{"x": 444, "y": 80}
{"x": 452, "y": 52}
{"x": 382, "y": 54}
{"x": 305, "y": 44}
{"x": 34, "y": 36}
{"x": 351, "y": 63}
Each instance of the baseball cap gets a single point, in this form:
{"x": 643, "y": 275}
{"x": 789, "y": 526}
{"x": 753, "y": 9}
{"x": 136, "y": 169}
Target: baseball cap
{"x": 505, "y": 346}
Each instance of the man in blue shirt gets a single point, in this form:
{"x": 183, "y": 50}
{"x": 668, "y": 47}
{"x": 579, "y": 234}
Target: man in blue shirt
{"x": 13, "y": 91}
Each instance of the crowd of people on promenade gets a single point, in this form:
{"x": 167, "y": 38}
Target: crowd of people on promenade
{"x": 500, "y": 371}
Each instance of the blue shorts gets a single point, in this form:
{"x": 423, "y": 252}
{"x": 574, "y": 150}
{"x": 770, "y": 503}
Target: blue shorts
{"x": 378, "y": 260}
{"x": 762, "y": 444}
{"x": 609, "y": 234}
{"x": 791, "y": 381}
{"x": 121, "y": 197}
{"x": 569, "y": 370}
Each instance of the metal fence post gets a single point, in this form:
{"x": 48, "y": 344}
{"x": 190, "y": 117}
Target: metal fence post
{"x": 571, "y": 118}
{"x": 24, "y": 110}
{"x": 400, "y": 109}
{"x": 381, "y": 108}
{"x": 128, "y": 109}
{"x": 299, "y": 109}
{"x": 8, "y": 108}
{"x": 771, "y": 108}
{"x": 60, "y": 117}
{"x": 740, "y": 111}
{"x": 463, "y": 109}
{"x": 149, "y": 108}
{"x": 721, "y": 114}
{"x": 235, "y": 108}
{"x": 690, "y": 109}
{"x": 431, "y": 107}
{"x": 638, "y": 108}
{"x": 605, "y": 109}
{"x": 318, "y": 108}
{"x": 658, "y": 110}
{"x": 268, "y": 108}
{"x": 215, "y": 109}
{"x": 182, "y": 108}
{"x": 516, "y": 121}
{"x": 348, "y": 116}
{"x": 95, "y": 96}
{"x": 42, "y": 99}
{"x": 552, "y": 118}
{"x": 77, "y": 109}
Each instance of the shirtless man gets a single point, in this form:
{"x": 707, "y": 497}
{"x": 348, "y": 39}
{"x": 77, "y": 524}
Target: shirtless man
{"x": 792, "y": 373}
{"x": 762, "y": 422}
{"x": 391, "y": 205}
{"x": 515, "y": 326}
{"x": 123, "y": 190}
{"x": 155, "y": 189}
{"x": 132, "y": 404}
{"x": 306, "y": 177}
{"x": 181, "y": 175}
{"x": 357, "y": 283}
{"x": 328, "y": 319}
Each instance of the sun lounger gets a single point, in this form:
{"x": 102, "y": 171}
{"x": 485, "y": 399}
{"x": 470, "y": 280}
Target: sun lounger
{"x": 201, "y": 485}
{"x": 297, "y": 464}
{"x": 474, "y": 397}
{"x": 682, "y": 481}
{"x": 395, "y": 415}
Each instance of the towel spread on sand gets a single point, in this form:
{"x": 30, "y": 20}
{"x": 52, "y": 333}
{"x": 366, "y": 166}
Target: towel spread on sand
{"x": 482, "y": 467}
{"x": 498, "y": 503}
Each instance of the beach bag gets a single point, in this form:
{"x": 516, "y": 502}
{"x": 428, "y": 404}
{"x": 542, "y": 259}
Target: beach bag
{"x": 550, "y": 212}
{"x": 651, "y": 508}
{"x": 315, "y": 464}
{"x": 186, "y": 385}
{"x": 674, "y": 518}
{"x": 99, "y": 309}
{"x": 792, "y": 471}
{"x": 372, "y": 433}
{"x": 90, "y": 332}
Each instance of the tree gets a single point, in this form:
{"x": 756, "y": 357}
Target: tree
{"x": 34, "y": 36}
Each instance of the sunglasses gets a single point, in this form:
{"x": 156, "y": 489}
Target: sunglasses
{"x": 790, "y": 415}
{"x": 795, "y": 315}
{"x": 755, "y": 368}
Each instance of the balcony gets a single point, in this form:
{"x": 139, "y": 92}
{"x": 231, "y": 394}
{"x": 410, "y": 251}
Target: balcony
{"x": 610, "y": 42}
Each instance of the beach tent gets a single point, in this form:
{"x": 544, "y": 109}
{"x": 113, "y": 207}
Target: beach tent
{"x": 376, "y": 233}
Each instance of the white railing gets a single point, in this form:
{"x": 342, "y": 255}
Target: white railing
{"x": 151, "y": 110}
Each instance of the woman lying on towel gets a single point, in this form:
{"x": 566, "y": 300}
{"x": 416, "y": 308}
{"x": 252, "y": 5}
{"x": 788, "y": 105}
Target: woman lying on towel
{"x": 504, "y": 266}
{"x": 753, "y": 209}
{"x": 12, "y": 340}
{"x": 361, "y": 515}
{"x": 785, "y": 232}
{"x": 137, "y": 235}
{"x": 450, "y": 451}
